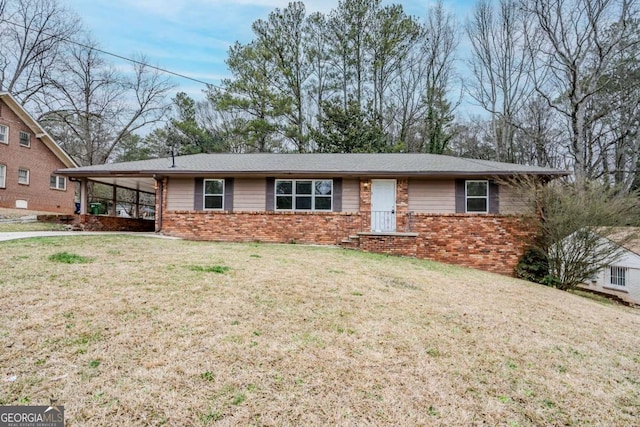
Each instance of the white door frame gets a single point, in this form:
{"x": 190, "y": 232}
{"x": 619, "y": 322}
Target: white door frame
{"x": 383, "y": 205}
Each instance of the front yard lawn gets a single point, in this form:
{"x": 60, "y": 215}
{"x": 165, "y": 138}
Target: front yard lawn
{"x": 166, "y": 332}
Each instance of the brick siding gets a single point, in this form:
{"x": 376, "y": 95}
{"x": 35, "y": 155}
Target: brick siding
{"x": 270, "y": 227}
{"x": 41, "y": 163}
{"x": 112, "y": 223}
{"x": 487, "y": 242}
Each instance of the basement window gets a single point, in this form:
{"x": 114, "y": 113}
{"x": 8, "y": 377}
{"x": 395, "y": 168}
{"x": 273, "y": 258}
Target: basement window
{"x": 3, "y": 176}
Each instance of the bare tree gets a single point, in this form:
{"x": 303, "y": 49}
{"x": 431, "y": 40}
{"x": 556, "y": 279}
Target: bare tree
{"x": 318, "y": 85}
{"x": 31, "y": 35}
{"x": 501, "y": 68}
{"x": 576, "y": 44}
{"x": 393, "y": 36}
{"x": 439, "y": 44}
{"x": 93, "y": 107}
{"x": 407, "y": 92}
{"x": 539, "y": 137}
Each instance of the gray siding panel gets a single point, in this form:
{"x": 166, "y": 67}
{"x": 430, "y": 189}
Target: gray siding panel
{"x": 432, "y": 196}
{"x": 513, "y": 203}
{"x": 180, "y": 194}
{"x": 350, "y": 195}
{"x": 461, "y": 202}
{"x": 249, "y": 195}
{"x": 337, "y": 194}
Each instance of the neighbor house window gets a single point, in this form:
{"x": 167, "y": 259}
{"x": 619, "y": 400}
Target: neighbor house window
{"x": 4, "y": 134}
{"x": 618, "y": 276}
{"x": 23, "y": 176}
{"x": 3, "y": 176}
{"x": 58, "y": 182}
{"x": 213, "y": 193}
{"x": 477, "y": 196}
{"x": 25, "y": 139}
{"x": 304, "y": 194}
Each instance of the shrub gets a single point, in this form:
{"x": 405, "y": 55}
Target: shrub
{"x": 533, "y": 265}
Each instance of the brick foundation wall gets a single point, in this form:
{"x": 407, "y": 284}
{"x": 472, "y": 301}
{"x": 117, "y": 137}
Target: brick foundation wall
{"x": 112, "y": 223}
{"x": 271, "y": 227}
{"x": 486, "y": 242}
{"x": 396, "y": 244}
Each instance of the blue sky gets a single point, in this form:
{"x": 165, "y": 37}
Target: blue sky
{"x": 192, "y": 37}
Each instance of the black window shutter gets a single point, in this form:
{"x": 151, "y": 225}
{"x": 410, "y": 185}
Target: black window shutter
{"x": 270, "y": 191}
{"x": 337, "y": 194}
{"x": 228, "y": 194}
{"x": 197, "y": 194}
{"x": 494, "y": 197}
{"x": 460, "y": 196}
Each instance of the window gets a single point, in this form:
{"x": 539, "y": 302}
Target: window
{"x": 3, "y": 176}
{"x": 23, "y": 176}
{"x": 304, "y": 195}
{"x": 213, "y": 193}
{"x": 618, "y": 276}
{"x": 58, "y": 182}
{"x": 4, "y": 134}
{"x": 25, "y": 139}
{"x": 477, "y": 196}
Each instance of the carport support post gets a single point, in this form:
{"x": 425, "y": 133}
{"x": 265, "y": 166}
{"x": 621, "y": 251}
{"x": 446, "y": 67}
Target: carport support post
{"x": 115, "y": 200}
{"x": 84, "y": 196}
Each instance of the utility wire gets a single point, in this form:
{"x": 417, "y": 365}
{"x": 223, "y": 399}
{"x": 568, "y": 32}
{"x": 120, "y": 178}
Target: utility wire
{"x": 115, "y": 55}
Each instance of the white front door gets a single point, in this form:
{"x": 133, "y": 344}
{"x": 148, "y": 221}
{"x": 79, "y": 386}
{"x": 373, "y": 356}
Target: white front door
{"x": 383, "y": 205}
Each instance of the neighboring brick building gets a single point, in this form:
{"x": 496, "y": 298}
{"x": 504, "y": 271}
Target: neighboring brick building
{"x": 28, "y": 159}
{"x": 428, "y": 206}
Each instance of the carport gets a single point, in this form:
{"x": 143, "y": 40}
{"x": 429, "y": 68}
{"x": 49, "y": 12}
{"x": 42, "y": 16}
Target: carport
{"x": 140, "y": 212}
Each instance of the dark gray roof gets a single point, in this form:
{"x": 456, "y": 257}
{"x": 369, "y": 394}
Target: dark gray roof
{"x": 396, "y": 164}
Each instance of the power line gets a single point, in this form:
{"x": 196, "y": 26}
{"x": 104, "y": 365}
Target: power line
{"x": 115, "y": 55}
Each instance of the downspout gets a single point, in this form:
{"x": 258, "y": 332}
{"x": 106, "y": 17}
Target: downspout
{"x": 159, "y": 202}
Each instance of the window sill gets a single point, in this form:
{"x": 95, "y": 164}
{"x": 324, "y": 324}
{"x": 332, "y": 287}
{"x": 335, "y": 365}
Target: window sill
{"x": 57, "y": 189}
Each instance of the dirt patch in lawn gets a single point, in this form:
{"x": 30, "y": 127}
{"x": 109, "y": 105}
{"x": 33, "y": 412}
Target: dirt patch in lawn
{"x": 170, "y": 332}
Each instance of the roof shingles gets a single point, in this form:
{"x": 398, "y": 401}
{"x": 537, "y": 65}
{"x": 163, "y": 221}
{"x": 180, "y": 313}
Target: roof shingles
{"x": 264, "y": 163}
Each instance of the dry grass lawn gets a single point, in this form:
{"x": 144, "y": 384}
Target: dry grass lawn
{"x": 31, "y": 226}
{"x": 163, "y": 332}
